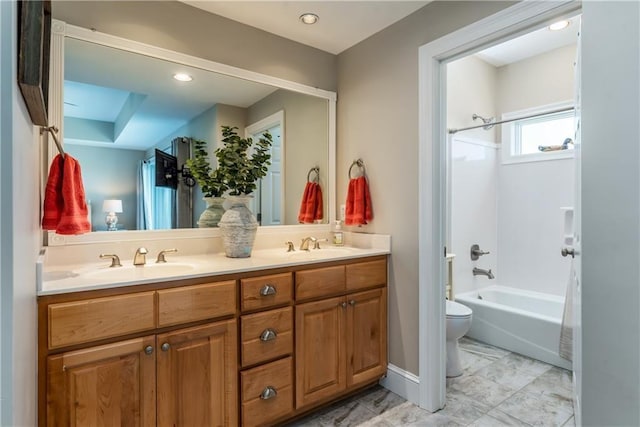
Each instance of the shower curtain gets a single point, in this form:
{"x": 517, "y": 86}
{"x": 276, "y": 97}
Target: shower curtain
{"x": 144, "y": 186}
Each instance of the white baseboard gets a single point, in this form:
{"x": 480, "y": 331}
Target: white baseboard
{"x": 403, "y": 383}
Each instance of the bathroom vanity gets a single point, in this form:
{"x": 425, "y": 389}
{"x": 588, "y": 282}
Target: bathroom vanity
{"x": 252, "y": 347}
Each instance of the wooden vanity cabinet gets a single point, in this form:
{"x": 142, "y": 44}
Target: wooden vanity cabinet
{"x": 168, "y": 377}
{"x": 341, "y": 341}
{"x": 253, "y": 350}
{"x": 108, "y": 385}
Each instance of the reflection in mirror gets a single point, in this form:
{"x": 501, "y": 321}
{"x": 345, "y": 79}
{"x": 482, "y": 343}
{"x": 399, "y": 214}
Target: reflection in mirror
{"x": 119, "y": 107}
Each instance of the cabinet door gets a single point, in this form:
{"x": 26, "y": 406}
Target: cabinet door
{"x": 197, "y": 376}
{"x": 108, "y": 385}
{"x": 366, "y": 336}
{"x": 320, "y": 368}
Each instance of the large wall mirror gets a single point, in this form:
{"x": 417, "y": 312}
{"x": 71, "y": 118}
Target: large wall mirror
{"x": 117, "y": 102}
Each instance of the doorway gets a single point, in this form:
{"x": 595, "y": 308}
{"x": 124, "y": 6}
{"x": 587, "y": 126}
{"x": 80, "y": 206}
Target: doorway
{"x": 510, "y": 23}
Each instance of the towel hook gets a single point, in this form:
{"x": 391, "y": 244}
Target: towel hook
{"x": 53, "y": 130}
{"x": 360, "y": 165}
{"x": 315, "y": 169}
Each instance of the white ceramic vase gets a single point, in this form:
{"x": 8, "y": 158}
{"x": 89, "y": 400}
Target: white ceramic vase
{"x": 211, "y": 216}
{"x": 238, "y": 227}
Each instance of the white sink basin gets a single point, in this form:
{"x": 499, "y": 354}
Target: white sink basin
{"x": 131, "y": 272}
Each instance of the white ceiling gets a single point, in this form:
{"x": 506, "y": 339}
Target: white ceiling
{"x": 136, "y": 95}
{"x": 531, "y": 44}
{"x": 342, "y": 24}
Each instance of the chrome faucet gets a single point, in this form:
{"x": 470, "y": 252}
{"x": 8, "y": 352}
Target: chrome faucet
{"x": 304, "y": 246}
{"x": 139, "y": 258}
{"x": 482, "y": 272}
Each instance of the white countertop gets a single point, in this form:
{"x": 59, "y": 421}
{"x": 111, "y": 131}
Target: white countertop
{"x": 92, "y": 276}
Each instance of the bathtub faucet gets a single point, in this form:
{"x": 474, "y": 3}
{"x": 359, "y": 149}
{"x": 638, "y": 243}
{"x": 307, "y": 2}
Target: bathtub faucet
{"x": 482, "y": 272}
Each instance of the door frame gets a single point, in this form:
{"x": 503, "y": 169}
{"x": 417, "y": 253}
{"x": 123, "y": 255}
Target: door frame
{"x": 275, "y": 119}
{"x": 432, "y": 224}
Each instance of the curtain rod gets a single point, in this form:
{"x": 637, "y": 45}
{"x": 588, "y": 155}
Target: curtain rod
{"x": 530, "y": 116}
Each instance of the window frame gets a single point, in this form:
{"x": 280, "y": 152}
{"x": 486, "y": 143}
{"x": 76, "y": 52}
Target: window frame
{"x": 511, "y": 138}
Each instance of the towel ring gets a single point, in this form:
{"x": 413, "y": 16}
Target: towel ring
{"x": 315, "y": 169}
{"x": 360, "y": 165}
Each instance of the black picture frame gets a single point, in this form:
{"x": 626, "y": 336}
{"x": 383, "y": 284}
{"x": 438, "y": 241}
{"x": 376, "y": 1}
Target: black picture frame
{"x": 34, "y": 42}
{"x": 166, "y": 170}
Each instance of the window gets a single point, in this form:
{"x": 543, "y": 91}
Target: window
{"x": 543, "y": 137}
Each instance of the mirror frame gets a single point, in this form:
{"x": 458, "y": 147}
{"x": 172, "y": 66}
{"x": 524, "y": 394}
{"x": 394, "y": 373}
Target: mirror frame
{"x": 61, "y": 30}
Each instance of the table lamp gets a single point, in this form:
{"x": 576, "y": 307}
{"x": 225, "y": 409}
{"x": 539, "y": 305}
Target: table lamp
{"x": 112, "y": 207}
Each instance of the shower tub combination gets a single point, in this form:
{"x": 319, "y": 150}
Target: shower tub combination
{"x": 517, "y": 320}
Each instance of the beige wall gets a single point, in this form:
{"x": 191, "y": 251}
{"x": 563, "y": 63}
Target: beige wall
{"x": 377, "y": 82}
{"x": 306, "y": 142}
{"x": 378, "y": 121}
{"x": 179, "y": 27}
{"x": 471, "y": 88}
{"x": 539, "y": 80}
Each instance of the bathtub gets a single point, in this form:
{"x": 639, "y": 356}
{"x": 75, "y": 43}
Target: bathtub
{"x": 524, "y": 322}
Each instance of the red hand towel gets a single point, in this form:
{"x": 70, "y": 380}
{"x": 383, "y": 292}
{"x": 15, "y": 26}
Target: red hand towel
{"x": 72, "y": 214}
{"x": 302, "y": 214}
{"x": 53, "y": 202}
{"x": 319, "y": 207}
{"x": 358, "y": 209}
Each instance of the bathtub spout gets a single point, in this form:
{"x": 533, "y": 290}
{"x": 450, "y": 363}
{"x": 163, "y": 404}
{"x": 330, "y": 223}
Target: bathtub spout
{"x": 482, "y": 272}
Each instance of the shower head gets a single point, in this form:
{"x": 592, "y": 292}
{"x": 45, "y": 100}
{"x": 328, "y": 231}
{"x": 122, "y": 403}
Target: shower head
{"x": 487, "y": 122}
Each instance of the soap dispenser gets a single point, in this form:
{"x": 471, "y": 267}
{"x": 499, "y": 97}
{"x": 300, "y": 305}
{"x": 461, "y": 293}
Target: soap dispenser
{"x": 337, "y": 234}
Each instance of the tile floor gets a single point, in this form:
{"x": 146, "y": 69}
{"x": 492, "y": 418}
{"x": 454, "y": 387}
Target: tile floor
{"x": 497, "y": 388}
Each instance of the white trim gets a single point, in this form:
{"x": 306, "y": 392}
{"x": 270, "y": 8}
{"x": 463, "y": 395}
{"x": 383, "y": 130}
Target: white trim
{"x": 60, "y": 29}
{"x": 403, "y": 383}
{"x": 508, "y": 23}
{"x": 508, "y": 135}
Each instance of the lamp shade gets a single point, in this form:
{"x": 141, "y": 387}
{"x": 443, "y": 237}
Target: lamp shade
{"x": 112, "y": 206}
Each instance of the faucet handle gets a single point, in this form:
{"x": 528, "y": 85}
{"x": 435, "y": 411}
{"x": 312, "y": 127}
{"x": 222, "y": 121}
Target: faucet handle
{"x": 290, "y": 247}
{"x": 161, "y": 257}
{"x": 316, "y": 243}
{"x": 115, "y": 259}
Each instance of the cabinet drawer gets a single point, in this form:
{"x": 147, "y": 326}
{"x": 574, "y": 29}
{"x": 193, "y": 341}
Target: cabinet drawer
{"x": 367, "y": 274}
{"x": 266, "y": 291}
{"x": 193, "y": 303}
{"x": 98, "y": 318}
{"x": 257, "y": 407}
{"x": 319, "y": 282}
{"x": 266, "y": 335}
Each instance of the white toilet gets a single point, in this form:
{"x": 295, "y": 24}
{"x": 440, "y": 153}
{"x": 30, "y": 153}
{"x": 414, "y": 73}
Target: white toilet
{"x": 458, "y": 323}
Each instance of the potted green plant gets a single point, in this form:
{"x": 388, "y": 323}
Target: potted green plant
{"x": 211, "y": 182}
{"x": 239, "y": 170}
{"x": 241, "y": 163}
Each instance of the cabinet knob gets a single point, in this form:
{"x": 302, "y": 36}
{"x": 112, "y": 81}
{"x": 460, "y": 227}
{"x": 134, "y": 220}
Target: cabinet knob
{"x": 343, "y": 304}
{"x": 267, "y": 290}
{"x": 165, "y": 347}
{"x": 268, "y": 393}
{"x": 268, "y": 335}
{"x": 352, "y": 302}
{"x": 148, "y": 350}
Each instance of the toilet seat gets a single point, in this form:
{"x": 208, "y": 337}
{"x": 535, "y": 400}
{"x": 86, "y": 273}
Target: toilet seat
{"x": 457, "y": 311}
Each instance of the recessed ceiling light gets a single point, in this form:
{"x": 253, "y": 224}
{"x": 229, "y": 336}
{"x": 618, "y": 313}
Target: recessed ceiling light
{"x": 309, "y": 18}
{"x": 182, "y": 77}
{"x": 560, "y": 25}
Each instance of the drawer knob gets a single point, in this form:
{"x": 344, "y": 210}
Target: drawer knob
{"x": 148, "y": 350}
{"x": 267, "y": 290}
{"x": 343, "y": 304}
{"x": 268, "y": 393}
{"x": 268, "y": 335}
{"x": 352, "y": 302}
{"x": 165, "y": 347}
